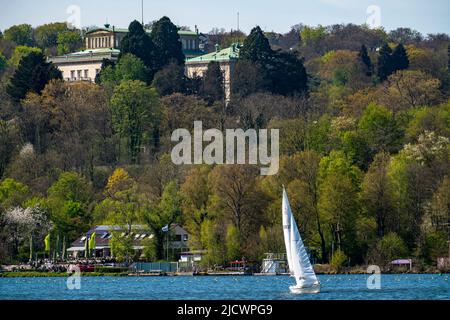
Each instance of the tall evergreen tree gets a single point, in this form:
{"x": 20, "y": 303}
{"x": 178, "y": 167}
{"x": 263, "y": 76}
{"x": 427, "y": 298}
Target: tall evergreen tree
{"x": 33, "y": 73}
{"x": 256, "y": 47}
{"x": 384, "y": 69}
{"x": 365, "y": 59}
{"x": 400, "y": 60}
{"x": 212, "y": 88}
{"x": 283, "y": 72}
{"x": 167, "y": 42}
{"x": 287, "y": 74}
{"x": 139, "y": 43}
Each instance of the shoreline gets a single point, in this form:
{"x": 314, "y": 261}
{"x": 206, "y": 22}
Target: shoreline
{"x": 37, "y": 274}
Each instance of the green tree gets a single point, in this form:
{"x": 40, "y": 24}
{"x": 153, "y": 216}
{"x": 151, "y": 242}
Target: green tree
{"x": 400, "y": 59}
{"x": 357, "y": 149}
{"x": 388, "y": 248}
{"x": 365, "y": 59}
{"x": 248, "y": 78}
{"x": 256, "y": 47}
{"x": 170, "y": 79}
{"x": 287, "y": 74}
{"x": 21, "y": 34}
{"x": 122, "y": 204}
{"x": 338, "y": 260}
{"x": 68, "y": 200}
{"x": 214, "y": 242}
{"x": 213, "y": 83}
{"x": 166, "y": 212}
{"x": 380, "y": 129}
{"x": 134, "y": 111}
{"x": 233, "y": 243}
{"x": 376, "y": 195}
{"x": 385, "y": 68}
{"x": 12, "y": 193}
{"x": 122, "y": 247}
{"x": 32, "y": 75}
{"x": 167, "y": 43}
{"x": 139, "y": 43}
{"x": 69, "y": 41}
{"x": 9, "y": 139}
{"x": 129, "y": 67}
{"x": 3, "y": 63}
{"x": 339, "y": 204}
{"x": 46, "y": 35}
{"x": 20, "y": 52}
{"x": 196, "y": 194}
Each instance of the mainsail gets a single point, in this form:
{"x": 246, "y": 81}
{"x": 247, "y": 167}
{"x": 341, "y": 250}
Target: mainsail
{"x": 298, "y": 259}
{"x": 287, "y": 213}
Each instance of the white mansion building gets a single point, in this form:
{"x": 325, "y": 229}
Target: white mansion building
{"x": 104, "y": 43}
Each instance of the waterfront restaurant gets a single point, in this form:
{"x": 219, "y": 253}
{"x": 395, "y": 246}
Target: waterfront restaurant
{"x": 178, "y": 238}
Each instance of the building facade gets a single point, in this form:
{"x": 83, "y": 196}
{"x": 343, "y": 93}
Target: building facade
{"x": 177, "y": 241}
{"x": 104, "y": 43}
{"x": 227, "y": 58}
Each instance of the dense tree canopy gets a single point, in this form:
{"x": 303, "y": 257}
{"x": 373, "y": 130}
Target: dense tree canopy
{"x": 363, "y": 118}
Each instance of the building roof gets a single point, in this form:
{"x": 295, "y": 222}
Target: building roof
{"x": 89, "y": 55}
{"x": 103, "y": 234}
{"x": 124, "y": 30}
{"x": 227, "y": 54}
{"x": 95, "y": 51}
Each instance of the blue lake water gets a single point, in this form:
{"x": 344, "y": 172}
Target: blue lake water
{"x": 341, "y": 287}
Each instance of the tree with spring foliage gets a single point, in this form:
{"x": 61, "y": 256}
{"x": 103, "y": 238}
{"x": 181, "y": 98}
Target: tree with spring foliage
{"x": 139, "y": 43}
{"x": 163, "y": 212}
{"x": 135, "y": 109}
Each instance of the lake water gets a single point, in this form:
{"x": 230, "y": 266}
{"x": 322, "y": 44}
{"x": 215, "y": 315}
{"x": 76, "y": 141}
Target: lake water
{"x": 341, "y": 287}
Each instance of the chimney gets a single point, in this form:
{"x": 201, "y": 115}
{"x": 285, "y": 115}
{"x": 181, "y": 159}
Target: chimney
{"x": 196, "y": 29}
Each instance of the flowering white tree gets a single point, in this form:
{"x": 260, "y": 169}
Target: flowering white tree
{"x": 23, "y": 224}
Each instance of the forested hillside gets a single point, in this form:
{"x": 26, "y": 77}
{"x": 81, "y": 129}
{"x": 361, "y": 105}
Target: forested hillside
{"x": 364, "y": 143}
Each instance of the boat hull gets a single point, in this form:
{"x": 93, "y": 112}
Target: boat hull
{"x": 305, "y": 290}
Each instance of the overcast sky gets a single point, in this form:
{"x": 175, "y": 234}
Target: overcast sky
{"x": 430, "y": 16}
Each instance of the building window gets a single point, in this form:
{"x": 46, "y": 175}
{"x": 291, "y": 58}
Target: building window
{"x": 185, "y": 237}
{"x": 79, "y": 74}
{"x": 72, "y": 74}
{"x": 86, "y": 73}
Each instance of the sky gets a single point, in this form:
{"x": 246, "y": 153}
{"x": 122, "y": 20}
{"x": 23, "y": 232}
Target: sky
{"x": 426, "y": 16}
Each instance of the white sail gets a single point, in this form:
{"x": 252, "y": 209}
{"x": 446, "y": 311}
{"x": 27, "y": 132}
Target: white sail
{"x": 301, "y": 266}
{"x": 287, "y": 213}
{"x": 299, "y": 263}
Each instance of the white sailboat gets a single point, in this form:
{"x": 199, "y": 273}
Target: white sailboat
{"x": 299, "y": 265}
